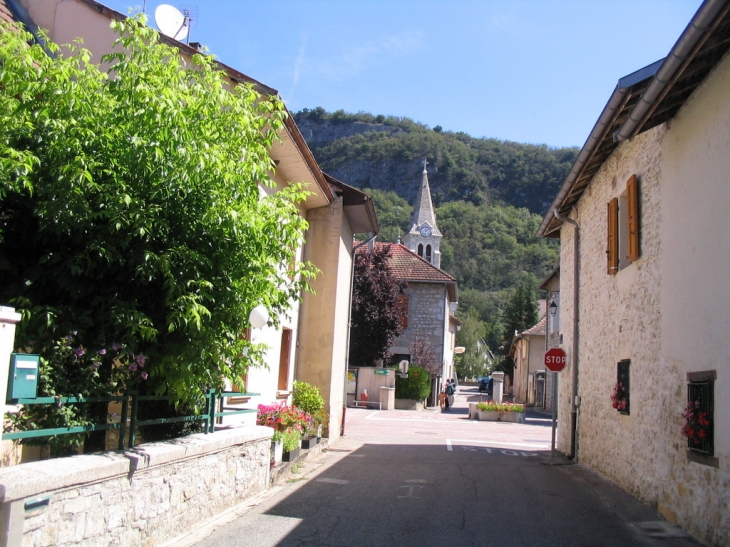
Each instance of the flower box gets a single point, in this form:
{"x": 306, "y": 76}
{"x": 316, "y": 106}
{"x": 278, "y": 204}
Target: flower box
{"x": 491, "y": 411}
{"x": 514, "y": 417}
{"x": 291, "y": 456}
{"x": 488, "y": 415}
{"x": 310, "y": 442}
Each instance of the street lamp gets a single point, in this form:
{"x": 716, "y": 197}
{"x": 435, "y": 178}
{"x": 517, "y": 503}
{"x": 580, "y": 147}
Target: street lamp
{"x": 259, "y": 316}
{"x": 553, "y": 308}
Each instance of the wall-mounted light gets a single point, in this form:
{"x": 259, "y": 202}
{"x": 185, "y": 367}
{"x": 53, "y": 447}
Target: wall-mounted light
{"x": 553, "y": 307}
{"x": 258, "y": 317}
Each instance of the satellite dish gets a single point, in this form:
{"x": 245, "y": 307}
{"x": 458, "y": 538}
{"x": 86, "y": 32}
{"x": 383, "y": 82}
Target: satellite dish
{"x": 171, "y": 22}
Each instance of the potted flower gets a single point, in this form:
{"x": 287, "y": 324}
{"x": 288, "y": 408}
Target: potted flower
{"x": 309, "y": 437}
{"x": 697, "y": 426}
{"x": 288, "y": 424}
{"x": 620, "y": 398}
{"x": 291, "y": 440}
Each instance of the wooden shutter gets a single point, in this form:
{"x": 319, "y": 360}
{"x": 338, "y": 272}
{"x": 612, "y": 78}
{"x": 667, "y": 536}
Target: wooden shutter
{"x": 612, "y": 250}
{"x": 632, "y": 198}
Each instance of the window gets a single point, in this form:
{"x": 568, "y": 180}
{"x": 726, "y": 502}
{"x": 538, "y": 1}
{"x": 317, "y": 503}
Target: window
{"x": 420, "y": 249}
{"x": 621, "y": 396}
{"x": 428, "y": 253}
{"x": 699, "y": 418}
{"x": 623, "y": 228}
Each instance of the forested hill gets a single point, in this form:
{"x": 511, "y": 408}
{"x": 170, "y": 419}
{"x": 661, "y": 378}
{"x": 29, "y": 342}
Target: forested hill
{"x": 387, "y": 153}
{"x": 489, "y": 196}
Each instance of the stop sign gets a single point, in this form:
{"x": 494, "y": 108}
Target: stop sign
{"x": 555, "y": 359}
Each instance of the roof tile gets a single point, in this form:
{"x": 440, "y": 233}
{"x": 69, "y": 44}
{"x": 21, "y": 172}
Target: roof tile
{"x": 409, "y": 266}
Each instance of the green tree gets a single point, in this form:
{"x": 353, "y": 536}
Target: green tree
{"x": 132, "y": 216}
{"x": 521, "y": 314}
{"x": 424, "y": 354}
{"x": 475, "y": 359}
{"x": 377, "y": 316}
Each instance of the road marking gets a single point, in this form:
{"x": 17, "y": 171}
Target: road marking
{"x": 410, "y": 489}
{"x": 495, "y": 444}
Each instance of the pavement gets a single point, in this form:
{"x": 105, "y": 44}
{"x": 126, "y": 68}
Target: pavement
{"x": 435, "y": 478}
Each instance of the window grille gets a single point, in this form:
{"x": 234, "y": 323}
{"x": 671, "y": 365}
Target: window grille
{"x": 623, "y": 380}
{"x": 700, "y": 390}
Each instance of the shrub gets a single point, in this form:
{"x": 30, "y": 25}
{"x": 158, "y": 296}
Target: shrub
{"x": 307, "y": 397}
{"x": 417, "y": 386}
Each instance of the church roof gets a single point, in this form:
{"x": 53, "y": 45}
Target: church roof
{"x": 409, "y": 266}
{"x": 423, "y": 212}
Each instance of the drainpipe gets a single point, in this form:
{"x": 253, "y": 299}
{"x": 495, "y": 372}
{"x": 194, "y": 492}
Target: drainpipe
{"x": 349, "y": 325}
{"x": 575, "y": 400}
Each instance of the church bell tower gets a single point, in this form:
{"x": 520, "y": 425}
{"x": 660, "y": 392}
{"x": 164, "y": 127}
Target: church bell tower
{"x": 424, "y": 237}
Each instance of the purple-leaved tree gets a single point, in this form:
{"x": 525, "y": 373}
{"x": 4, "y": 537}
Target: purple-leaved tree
{"x": 377, "y": 314}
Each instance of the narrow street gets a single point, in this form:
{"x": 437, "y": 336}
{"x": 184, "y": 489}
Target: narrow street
{"x": 436, "y": 478}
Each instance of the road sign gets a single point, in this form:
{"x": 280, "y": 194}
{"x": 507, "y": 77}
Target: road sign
{"x": 555, "y": 359}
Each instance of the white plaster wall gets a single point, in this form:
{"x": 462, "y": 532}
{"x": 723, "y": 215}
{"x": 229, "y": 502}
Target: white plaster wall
{"x": 696, "y": 295}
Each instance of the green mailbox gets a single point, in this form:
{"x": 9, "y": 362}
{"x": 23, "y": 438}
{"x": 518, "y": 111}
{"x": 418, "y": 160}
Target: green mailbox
{"x": 23, "y": 381}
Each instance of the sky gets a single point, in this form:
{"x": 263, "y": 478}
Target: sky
{"x": 529, "y": 71}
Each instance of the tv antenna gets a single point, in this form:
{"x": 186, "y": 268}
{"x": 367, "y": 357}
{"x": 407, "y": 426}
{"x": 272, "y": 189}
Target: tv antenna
{"x": 172, "y": 22}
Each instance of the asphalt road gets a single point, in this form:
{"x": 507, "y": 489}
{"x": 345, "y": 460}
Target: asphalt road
{"x": 428, "y": 478}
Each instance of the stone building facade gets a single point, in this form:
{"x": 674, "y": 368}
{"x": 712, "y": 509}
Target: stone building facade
{"x": 651, "y": 315}
{"x": 431, "y": 301}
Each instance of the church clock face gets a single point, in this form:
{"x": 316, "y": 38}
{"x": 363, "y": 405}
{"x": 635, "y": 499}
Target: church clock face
{"x": 425, "y": 231}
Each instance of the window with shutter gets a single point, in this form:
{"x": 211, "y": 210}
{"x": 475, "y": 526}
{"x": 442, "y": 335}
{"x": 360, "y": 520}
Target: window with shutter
{"x": 632, "y": 200}
{"x": 623, "y": 228}
{"x": 612, "y": 244}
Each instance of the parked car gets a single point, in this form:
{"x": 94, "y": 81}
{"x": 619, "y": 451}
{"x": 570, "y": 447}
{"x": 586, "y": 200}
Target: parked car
{"x": 483, "y": 384}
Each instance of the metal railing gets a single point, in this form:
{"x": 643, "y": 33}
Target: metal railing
{"x": 129, "y": 415}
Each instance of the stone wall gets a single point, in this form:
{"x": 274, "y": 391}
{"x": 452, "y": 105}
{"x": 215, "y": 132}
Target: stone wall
{"x": 144, "y": 496}
{"x": 619, "y": 319}
{"x": 426, "y": 316}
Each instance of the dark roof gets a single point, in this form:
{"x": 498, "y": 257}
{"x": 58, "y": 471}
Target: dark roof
{"x": 646, "y": 99}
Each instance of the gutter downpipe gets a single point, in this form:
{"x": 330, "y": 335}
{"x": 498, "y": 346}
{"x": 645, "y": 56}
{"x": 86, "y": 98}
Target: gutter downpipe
{"x": 576, "y": 332}
{"x": 349, "y": 326}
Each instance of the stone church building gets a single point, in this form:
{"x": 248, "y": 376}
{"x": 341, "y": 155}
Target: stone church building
{"x": 432, "y": 294}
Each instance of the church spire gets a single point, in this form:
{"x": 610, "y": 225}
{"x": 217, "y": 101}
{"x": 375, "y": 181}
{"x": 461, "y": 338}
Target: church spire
{"x": 423, "y": 211}
{"x": 424, "y": 237}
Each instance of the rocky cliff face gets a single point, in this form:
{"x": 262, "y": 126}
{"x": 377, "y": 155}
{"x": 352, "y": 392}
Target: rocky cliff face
{"x": 387, "y": 154}
{"x": 325, "y": 132}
